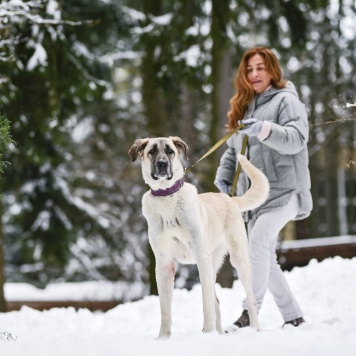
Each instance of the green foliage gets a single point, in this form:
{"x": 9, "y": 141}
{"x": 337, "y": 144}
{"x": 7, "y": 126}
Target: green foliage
{"x": 5, "y": 140}
{"x": 57, "y": 83}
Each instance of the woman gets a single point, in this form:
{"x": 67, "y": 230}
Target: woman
{"x": 276, "y": 123}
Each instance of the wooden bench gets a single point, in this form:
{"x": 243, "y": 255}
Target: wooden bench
{"x": 45, "y": 305}
{"x": 298, "y": 253}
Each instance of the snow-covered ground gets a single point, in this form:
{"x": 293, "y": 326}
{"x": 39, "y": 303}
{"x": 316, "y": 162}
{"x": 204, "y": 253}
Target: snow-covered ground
{"x": 326, "y": 291}
{"x": 82, "y": 291}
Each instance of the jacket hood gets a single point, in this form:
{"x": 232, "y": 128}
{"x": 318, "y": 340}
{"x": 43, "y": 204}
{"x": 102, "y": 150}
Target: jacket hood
{"x": 270, "y": 93}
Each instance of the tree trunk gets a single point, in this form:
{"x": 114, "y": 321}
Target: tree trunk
{"x": 331, "y": 154}
{"x": 221, "y": 79}
{"x": 154, "y": 107}
{"x": 2, "y": 277}
{"x": 222, "y": 83}
{"x": 152, "y": 94}
{"x": 2, "y": 264}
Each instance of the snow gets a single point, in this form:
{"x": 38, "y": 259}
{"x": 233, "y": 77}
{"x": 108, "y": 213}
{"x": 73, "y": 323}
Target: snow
{"x": 349, "y": 105}
{"x": 191, "y": 56}
{"x": 325, "y": 290}
{"x": 134, "y": 14}
{"x": 53, "y": 9}
{"x": 162, "y": 20}
{"x": 75, "y": 291}
{"x": 39, "y": 57}
{"x": 83, "y": 130}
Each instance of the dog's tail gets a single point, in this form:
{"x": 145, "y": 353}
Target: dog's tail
{"x": 259, "y": 189}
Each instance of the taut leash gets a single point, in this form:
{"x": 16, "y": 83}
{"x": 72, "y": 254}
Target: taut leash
{"x": 215, "y": 147}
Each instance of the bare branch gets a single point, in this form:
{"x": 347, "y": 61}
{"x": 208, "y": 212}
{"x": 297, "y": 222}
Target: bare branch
{"x": 337, "y": 121}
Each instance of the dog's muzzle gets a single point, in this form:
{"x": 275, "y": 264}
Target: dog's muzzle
{"x": 161, "y": 170}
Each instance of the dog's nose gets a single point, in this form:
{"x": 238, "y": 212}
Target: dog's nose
{"x": 162, "y": 163}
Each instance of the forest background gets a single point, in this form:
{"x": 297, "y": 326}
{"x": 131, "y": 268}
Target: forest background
{"x": 80, "y": 80}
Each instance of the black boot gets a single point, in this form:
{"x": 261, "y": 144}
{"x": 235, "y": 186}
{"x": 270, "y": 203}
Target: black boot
{"x": 295, "y": 322}
{"x": 243, "y": 320}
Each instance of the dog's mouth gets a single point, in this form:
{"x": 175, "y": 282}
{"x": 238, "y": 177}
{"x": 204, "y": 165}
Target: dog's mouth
{"x": 162, "y": 170}
{"x": 161, "y": 175}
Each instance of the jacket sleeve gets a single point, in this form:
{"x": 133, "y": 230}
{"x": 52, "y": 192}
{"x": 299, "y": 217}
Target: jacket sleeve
{"x": 227, "y": 167}
{"x": 291, "y": 131}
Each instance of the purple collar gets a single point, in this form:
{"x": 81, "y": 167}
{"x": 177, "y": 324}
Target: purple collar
{"x": 164, "y": 192}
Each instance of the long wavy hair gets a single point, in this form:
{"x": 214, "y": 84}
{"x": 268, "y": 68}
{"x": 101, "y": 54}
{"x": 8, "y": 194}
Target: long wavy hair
{"x": 244, "y": 92}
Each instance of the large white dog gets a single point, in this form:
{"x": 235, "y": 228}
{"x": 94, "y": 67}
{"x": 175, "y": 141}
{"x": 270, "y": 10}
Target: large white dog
{"x": 194, "y": 228}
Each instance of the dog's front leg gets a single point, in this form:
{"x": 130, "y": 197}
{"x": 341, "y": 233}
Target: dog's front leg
{"x": 206, "y": 275}
{"x": 165, "y": 270}
{"x": 197, "y": 241}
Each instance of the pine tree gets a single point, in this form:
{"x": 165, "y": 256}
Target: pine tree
{"x": 62, "y": 201}
{"x": 5, "y": 143}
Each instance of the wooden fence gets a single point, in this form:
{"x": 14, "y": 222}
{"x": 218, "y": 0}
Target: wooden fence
{"x": 298, "y": 253}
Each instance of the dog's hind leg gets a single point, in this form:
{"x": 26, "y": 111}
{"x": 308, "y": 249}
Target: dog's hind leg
{"x": 245, "y": 277}
{"x": 165, "y": 270}
{"x": 218, "y": 256}
{"x": 218, "y": 315}
{"x": 240, "y": 260}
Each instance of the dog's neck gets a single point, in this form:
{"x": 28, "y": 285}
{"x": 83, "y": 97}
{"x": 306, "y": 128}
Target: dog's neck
{"x": 169, "y": 191}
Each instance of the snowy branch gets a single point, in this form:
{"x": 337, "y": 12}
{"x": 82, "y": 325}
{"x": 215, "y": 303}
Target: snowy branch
{"x": 86, "y": 74}
{"x": 14, "y": 14}
{"x": 87, "y": 263}
{"x": 39, "y": 20}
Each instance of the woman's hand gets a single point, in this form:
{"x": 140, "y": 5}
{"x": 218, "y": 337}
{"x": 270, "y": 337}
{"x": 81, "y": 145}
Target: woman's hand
{"x": 253, "y": 126}
{"x": 223, "y": 186}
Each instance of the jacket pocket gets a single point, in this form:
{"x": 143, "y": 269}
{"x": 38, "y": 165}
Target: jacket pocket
{"x": 285, "y": 172}
{"x": 269, "y": 167}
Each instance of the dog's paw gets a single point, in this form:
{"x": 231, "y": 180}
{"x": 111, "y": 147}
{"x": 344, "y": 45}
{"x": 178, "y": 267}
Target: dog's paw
{"x": 164, "y": 335}
{"x": 231, "y": 329}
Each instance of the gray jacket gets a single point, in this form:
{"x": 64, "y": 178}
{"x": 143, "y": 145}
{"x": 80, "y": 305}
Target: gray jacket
{"x": 283, "y": 156}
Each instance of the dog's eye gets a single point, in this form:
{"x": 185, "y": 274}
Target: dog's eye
{"x": 168, "y": 150}
{"x": 152, "y": 150}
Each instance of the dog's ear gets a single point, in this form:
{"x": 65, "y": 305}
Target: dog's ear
{"x": 137, "y": 148}
{"x": 181, "y": 145}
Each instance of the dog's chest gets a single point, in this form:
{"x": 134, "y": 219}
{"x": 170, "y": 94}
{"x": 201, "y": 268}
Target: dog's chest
{"x": 169, "y": 217}
{"x": 168, "y": 207}
{"x": 170, "y": 210}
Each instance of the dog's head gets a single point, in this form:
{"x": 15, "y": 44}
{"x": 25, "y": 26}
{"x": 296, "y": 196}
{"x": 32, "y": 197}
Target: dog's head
{"x": 160, "y": 159}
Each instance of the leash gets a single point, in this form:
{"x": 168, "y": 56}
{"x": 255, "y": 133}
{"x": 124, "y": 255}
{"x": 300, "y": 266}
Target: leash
{"x": 216, "y": 146}
{"x": 238, "y": 169}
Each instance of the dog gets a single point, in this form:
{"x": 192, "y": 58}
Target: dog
{"x": 194, "y": 228}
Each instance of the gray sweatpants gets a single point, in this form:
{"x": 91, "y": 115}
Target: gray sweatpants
{"x": 265, "y": 270}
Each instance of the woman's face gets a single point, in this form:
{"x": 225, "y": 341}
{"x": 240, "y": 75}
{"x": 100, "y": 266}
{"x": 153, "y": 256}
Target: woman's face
{"x": 257, "y": 74}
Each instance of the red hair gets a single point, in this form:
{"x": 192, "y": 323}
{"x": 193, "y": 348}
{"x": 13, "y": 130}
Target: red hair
{"x": 244, "y": 92}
